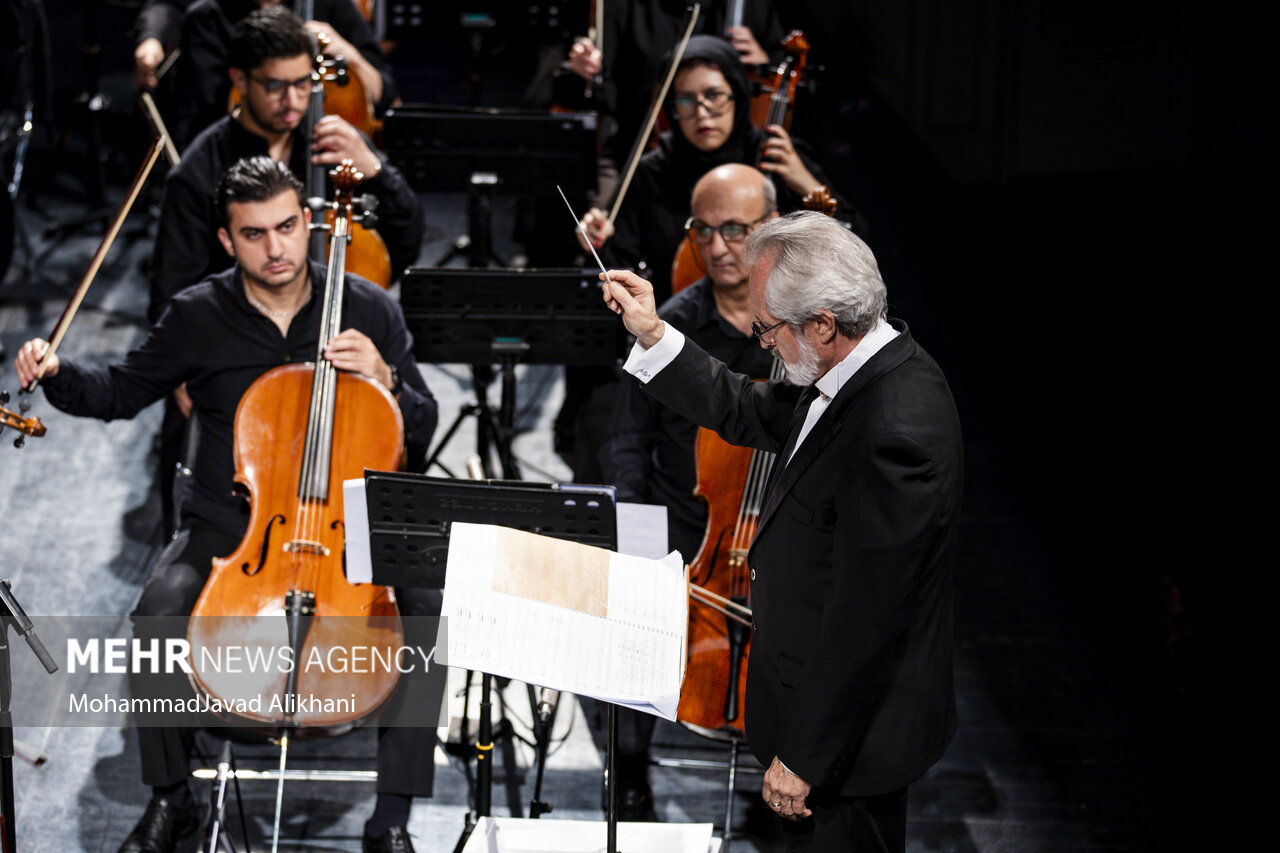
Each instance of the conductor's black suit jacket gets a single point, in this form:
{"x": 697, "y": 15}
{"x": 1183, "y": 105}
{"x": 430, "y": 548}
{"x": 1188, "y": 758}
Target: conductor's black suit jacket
{"x": 849, "y": 681}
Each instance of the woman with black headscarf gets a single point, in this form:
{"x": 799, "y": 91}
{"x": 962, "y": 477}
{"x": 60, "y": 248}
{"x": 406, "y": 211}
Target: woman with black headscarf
{"x": 709, "y": 108}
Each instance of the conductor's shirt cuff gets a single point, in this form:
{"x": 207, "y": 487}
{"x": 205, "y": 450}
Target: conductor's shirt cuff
{"x": 644, "y": 364}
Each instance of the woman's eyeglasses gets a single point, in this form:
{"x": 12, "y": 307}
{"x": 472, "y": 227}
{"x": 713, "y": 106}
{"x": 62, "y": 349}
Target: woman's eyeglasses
{"x": 715, "y": 101}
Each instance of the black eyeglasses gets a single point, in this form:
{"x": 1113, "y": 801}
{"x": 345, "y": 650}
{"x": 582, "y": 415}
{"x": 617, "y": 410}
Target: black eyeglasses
{"x": 732, "y": 232}
{"x": 276, "y": 87}
{"x": 758, "y": 331}
{"x": 715, "y": 101}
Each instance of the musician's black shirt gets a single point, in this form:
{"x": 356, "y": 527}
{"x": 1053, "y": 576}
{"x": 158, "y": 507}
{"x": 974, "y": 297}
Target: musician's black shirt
{"x": 187, "y": 248}
{"x": 211, "y": 338}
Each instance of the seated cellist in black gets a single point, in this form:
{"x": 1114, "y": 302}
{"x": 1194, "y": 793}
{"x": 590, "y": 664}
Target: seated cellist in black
{"x": 218, "y": 337}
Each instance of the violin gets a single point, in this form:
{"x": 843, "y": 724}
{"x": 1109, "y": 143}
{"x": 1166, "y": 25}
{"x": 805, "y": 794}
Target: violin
{"x": 18, "y": 421}
{"x": 300, "y": 431}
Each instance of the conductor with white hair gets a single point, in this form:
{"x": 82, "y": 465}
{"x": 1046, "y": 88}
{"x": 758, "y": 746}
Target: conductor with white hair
{"x": 849, "y": 685}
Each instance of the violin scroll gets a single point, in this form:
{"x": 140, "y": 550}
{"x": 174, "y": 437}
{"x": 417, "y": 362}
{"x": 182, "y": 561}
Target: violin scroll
{"x": 17, "y": 420}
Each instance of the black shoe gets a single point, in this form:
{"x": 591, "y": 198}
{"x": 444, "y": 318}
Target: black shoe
{"x": 394, "y": 840}
{"x": 162, "y": 824}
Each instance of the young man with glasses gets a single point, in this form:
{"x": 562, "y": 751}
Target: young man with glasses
{"x": 650, "y": 452}
{"x": 270, "y": 65}
{"x": 201, "y": 88}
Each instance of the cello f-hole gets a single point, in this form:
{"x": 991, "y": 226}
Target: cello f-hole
{"x": 266, "y": 545}
{"x": 715, "y": 555}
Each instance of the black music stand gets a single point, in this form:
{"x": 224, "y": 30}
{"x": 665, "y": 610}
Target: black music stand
{"x": 481, "y": 151}
{"x": 499, "y": 316}
{"x": 409, "y": 523}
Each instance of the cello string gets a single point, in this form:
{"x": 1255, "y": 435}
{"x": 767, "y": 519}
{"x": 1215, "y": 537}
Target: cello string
{"x": 753, "y": 497}
{"x": 334, "y": 292}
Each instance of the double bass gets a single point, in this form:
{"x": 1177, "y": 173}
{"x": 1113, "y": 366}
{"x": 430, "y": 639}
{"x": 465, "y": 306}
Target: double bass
{"x": 300, "y": 431}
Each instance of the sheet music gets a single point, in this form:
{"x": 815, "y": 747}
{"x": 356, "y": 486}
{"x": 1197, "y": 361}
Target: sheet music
{"x": 515, "y": 606}
{"x": 355, "y": 521}
{"x": 642, "y": 530}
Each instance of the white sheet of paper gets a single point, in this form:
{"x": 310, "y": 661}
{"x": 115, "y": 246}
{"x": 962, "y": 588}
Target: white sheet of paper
{"x": 355, "y": 521}
{"x": 526, "y": 835}
{"x": 633, "y": 655}
{"x": 642, "y": 530}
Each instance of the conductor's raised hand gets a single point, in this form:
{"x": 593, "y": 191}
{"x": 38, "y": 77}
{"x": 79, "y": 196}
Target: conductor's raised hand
{"x": 631, "y": 296}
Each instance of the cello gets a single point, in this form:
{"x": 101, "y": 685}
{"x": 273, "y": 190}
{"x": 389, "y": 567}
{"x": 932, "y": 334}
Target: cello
{"x": 732, "y": 481}
{"x": 300, "y": 431}
{"x": 367, "y": 253}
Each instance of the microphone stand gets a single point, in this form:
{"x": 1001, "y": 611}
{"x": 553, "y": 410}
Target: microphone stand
{"x": 13, "y": 616}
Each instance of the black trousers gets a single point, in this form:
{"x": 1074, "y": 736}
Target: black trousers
{"x": 406, "y": 754}
{"x": 850, "y": 825}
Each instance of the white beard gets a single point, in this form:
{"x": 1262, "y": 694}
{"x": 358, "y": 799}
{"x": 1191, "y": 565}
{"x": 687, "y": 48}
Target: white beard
{"x": 805, "y": 370}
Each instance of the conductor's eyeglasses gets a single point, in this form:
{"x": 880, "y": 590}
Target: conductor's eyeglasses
{"x": 276, "y": 87}
{"x": 716, "y": 101}
{"x": 759, "y": 330}
{"x": 731, "y": 232}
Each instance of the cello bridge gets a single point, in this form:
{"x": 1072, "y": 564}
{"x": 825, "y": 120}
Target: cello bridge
{"x": 306, "y": 546}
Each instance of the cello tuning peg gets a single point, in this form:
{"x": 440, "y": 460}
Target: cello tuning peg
{"x": 4, "y": 397}
{"x": 25, "y": 405}
{"x": 19, "y": 441}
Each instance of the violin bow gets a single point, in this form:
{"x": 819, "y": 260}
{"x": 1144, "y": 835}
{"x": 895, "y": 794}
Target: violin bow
{"x": 637, "y": 149}
{"x": 68, "y": 313}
